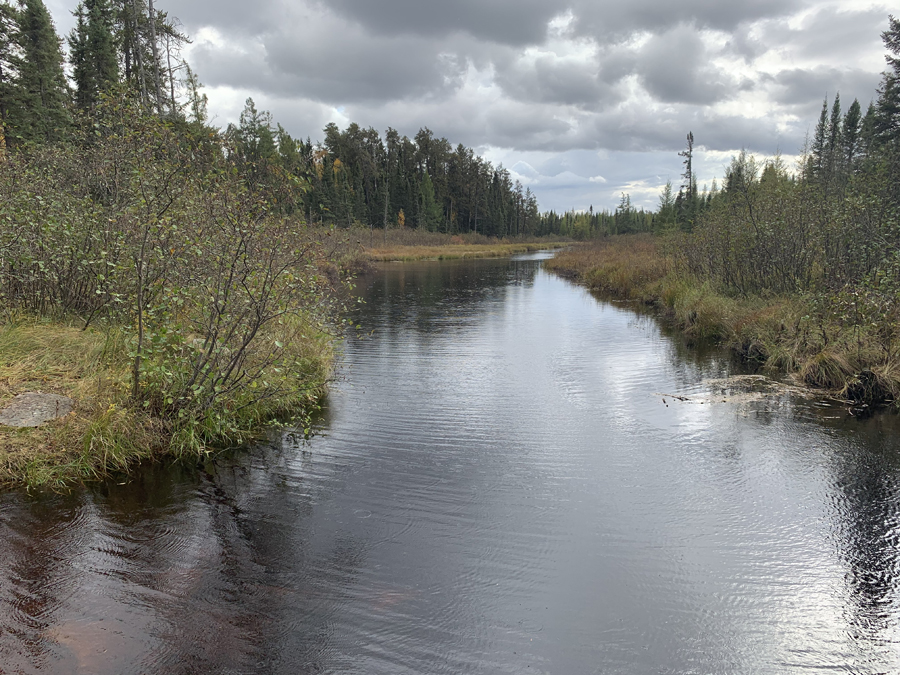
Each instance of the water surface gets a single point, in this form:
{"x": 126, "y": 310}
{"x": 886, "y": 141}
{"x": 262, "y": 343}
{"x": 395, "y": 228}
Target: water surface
{"x": 505, "y": 481}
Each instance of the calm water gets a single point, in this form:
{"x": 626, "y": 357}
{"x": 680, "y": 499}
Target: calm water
{"x": 504, "y": 482}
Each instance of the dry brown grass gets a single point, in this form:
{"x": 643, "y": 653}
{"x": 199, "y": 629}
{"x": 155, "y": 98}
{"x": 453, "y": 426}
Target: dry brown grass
{"x": 629, "y": 266}
{"x": 456, "y": 251}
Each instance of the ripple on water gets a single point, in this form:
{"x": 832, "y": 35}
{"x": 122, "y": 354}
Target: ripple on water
{"x": 513, "y": 477}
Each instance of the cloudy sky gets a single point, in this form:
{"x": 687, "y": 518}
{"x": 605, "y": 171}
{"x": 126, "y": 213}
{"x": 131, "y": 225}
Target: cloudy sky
{"x": 581, "y": 99}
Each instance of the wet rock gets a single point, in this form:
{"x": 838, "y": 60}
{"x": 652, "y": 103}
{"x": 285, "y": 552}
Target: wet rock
{"x": 33, "y": 409}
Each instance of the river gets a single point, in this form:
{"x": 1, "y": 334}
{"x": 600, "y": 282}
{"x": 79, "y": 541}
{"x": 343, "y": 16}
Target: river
{"x": 510, "y": 476}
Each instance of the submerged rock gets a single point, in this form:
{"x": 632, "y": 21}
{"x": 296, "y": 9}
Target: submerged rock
{"x": 33, "y": 409}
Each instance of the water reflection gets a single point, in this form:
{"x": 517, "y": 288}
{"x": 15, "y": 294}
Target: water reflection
{"x": 511, "y": 476}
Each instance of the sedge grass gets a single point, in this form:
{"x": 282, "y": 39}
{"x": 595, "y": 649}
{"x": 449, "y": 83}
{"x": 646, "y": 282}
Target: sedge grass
{"x": 782, "y": 334}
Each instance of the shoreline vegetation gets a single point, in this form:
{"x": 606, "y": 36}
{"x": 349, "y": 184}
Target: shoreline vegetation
{"x": 794, "y": 268}
{"x": 788, "y": 334}
{"x": 400, "y": 245}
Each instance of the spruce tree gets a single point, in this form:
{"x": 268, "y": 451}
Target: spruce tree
{"x": 887, "y": 118}
{"x": 852, "y": 127}
{"x": 834, "y": 144}
{"x": 818, "y": 152}
{"x": 39, "y": 110}
{"x": 92, "y": 52}
{"x": 429, "y": 209}
{"x": 10, "y": 65}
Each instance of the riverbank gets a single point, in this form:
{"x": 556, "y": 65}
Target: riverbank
{"x": 796, "y": 335}
{"x": 405, "y": 244}
{"x": 106, "y": 433}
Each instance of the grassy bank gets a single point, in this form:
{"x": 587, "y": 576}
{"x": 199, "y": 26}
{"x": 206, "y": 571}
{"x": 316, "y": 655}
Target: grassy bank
{"x": 403, "y": 244}
{"x": 106, "y": 432}
{"x": 799, "y": 335}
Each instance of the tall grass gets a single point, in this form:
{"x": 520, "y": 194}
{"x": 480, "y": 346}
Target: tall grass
{"x": 786, "y": 334}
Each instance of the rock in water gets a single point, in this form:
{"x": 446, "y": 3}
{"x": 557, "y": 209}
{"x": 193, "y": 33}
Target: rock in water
{"x": 32, "y": 409}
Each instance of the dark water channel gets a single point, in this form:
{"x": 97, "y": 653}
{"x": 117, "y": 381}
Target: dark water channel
{"x": 505, "y": 482}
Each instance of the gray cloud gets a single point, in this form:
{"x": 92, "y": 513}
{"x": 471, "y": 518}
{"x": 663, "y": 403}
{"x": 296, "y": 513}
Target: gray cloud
{"x": 807, "y": 88}
{"x": 559, "y": 79}
{"x": 622, "y": 18}
{"x": 829, "y": 35}
{"x": 674, "y": 68}
{"x": 511, "y": 22}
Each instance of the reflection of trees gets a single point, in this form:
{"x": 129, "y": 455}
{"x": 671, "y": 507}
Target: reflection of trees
{"x": 244, "y": 590}
{"x": 412, "y": 296}
{"x": 39, "y": 540}
{"x": 173, "y": 573}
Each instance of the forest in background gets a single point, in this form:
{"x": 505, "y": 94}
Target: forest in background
{"x": 353, "y": 177}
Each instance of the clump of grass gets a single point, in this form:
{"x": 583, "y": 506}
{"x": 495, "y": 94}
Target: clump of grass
{"x": 828, "y": 369}
{"x": 99, "y": 435}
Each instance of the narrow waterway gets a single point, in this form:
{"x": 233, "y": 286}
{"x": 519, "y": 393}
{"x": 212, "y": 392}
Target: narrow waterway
{"x": 510, "y": 476}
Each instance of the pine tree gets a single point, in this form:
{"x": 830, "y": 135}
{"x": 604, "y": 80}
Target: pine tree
{"x": 39, "y": 105}
{"x": 92, "y": 52}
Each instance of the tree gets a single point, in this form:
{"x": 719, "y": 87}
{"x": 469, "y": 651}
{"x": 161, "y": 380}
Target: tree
{"x": 92, "y": 52}
{"x": 197, "y": 101}
{"x": 816, "y": 169}
{"x": 887, "y": 118}
{"x": 834, "y": 144}
{"x": 666, "y": 213}
{"x": 687, "y": 195}
{"x": 852, "y": 127}
{"x": 429, "y": 209}
{"x": 39, "y": 110}
{"x": 10, "y": 63}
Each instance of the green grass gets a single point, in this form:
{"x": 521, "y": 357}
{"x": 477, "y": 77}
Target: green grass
{"x": 105, "y": 434}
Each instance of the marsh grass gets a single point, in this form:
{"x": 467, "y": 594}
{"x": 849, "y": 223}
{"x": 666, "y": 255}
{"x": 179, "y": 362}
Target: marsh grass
{"x": 99, "y": 435}
{"x": 783, "y": 334}
{"x": 404, "y": 244}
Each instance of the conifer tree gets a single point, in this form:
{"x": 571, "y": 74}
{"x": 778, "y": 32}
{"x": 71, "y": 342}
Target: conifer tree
{"x": 852, "y": 127}
{"x": 39, "y": 105}
{"x": 834, "y": 143}
{"x": 429, "y": 209}
{"x": 92, "y": 52}
{"x": 887, "y": 118}
{"x": 10, "y": 64}
{"x": 818, "y": 153}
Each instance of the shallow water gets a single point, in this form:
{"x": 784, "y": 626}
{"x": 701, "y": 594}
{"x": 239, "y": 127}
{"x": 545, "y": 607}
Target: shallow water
{"x": 511, "y": 476}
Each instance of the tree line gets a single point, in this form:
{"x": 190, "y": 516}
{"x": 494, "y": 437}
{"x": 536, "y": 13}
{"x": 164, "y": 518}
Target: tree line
{"x": 354, "y": 176}
{"x": 357, "y": 177}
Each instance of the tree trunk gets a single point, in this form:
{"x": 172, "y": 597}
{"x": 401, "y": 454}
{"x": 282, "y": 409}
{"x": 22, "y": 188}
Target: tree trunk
{"x": 142, "y": 77}
{"x": 155, "y": 49}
